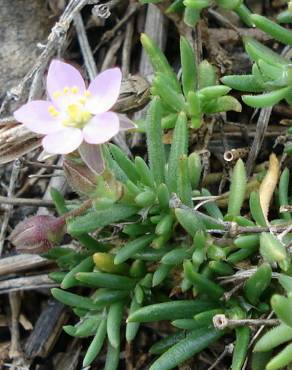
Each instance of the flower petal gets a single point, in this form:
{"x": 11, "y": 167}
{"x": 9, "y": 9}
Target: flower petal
{"x": 105, "y": 90}
{"x": 62, "y": 75}
{"x": 126, "y": 123}
{"x": 36, "y": 117}
{"x": 91, "y": 155}
{"x": 64, "y": 141}
{"x": 101, "y": 128}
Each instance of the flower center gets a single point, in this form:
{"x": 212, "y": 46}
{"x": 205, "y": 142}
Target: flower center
{"x": 77, "y": 114}
{"x": 72, "y": 107}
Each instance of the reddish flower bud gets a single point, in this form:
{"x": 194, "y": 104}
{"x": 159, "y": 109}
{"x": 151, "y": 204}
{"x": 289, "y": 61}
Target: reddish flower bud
{"x": 38, "y": 234}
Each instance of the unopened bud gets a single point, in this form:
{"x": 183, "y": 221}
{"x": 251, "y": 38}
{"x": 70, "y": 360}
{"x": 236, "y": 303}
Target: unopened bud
{"x": 38, "y": 234}
{"x": 105, "y": 262}
{"x": 80, "y": 177}
{"x": 104, "y": 189}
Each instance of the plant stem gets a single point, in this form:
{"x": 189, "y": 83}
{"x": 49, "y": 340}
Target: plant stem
{"x": 78, "y": 211}
{"x": 221, "y": 322}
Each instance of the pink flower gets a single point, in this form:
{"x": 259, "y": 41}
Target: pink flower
{"x": 75, "y": 114}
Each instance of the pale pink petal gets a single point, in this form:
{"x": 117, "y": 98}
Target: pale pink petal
{"x": 126, "y": 123}
{"x": 36, "y": 117}
{"x": 62, "y": 75}
{"x": 101, "y": 128}
{"x": 105, "y": 90}
{"x": 64, "y": 141}
{"x": 91, "y": 155}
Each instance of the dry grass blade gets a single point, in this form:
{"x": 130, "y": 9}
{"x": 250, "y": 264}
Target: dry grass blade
{"x": 21, "y": 262}
{"x": 26, "y": 283}
{"x": 269, "y": 184}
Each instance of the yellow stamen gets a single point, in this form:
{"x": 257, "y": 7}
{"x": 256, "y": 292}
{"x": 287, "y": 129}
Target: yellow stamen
{"x": 53, "y": 111}
{"x": 73, "y": 112}
{"x": 57, "y": 94}
{"x": 66, "y": 90}
{"x": 87, "y": 93}
{"x": 82, "y": 100}
{"x": 85, "y": 116}
{"x": 77, "y": 114}
{"x": 74, "y": 90}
